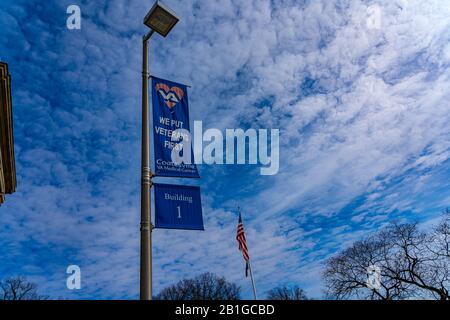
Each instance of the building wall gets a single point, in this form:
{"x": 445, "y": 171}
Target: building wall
{"x": 7, "y": 161}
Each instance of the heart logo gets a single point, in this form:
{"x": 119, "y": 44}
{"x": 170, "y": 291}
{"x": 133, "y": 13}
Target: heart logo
{"x": 171, "y": 96}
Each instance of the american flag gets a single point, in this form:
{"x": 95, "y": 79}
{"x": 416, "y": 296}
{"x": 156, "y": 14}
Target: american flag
{"x": 240, "y": 237}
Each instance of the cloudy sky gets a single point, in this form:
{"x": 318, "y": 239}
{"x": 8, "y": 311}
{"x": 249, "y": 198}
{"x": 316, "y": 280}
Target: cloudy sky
{"x": 362, "y": 105}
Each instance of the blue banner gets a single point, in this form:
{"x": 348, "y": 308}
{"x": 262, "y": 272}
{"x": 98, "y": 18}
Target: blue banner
{"x": 178, "y": 207}
{"x": 170, "y": 112}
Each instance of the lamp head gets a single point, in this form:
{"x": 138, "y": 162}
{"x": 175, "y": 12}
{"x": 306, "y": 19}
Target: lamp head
{"x": 160, "y": 19}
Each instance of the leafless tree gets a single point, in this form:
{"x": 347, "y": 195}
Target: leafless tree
{"x": 287, "y": 293}
{"x": 411, "y": 263}
{"x": 346, "y": 274}
{"x": 206, "y": 286}
{"x": 439, "y": 246}
{"x": 18, "y": 288}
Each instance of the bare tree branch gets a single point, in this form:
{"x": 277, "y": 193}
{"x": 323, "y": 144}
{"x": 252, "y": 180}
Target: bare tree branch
{"x": 286, "y": 293}
{"x": 206, "y": 286}
{"x": 19, "y": 288}
{"x": 413, "y": 264}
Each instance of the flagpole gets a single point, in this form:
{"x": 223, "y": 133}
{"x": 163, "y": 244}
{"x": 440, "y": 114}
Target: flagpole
{"x": 249, "y": 266}
{"x": 253, "y": 281}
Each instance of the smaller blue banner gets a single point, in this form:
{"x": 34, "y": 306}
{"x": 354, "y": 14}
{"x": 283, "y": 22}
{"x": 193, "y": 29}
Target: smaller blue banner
{"x": 178, "y": 207}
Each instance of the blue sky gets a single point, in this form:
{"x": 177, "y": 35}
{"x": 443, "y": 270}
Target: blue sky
{"x": 363, "y": 114}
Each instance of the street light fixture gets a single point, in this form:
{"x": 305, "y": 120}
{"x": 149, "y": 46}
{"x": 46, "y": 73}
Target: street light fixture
{"x": 162, "y": 20}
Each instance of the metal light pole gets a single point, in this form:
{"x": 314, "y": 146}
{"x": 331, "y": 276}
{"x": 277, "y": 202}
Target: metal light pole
{"x": 162, "y": 20}
{"x": 146, "y": 182}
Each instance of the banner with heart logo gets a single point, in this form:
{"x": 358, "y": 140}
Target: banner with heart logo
{"x": 170, "y": 112}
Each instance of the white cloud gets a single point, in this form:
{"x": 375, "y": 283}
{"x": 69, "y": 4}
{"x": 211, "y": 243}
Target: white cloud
{"x": 380, "y": 111}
